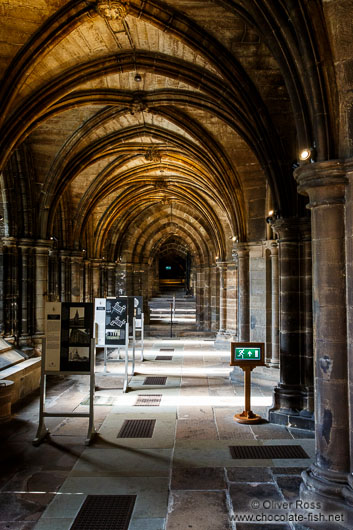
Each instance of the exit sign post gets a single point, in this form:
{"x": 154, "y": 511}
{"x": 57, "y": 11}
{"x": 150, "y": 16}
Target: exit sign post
{"x": 247, "y": 355}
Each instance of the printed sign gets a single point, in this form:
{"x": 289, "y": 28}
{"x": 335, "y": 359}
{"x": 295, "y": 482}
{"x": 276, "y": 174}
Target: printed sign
{"x": 115, "y": 320}
{"x": 247, "y": 353}
{"x": 69, "y": 329}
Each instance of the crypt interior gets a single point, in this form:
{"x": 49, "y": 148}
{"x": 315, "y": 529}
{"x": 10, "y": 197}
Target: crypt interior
{"x": 194, "y": 151}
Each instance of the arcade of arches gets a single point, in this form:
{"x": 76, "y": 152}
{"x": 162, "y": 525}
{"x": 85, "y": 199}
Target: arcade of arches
{"x": 153, "y": 143}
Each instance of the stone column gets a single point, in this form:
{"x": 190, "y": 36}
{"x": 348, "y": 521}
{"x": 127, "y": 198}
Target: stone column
{"x": 111, "y": 278}
{"x": 25, "y": 246}
{"x": 87, "y": 287}
{"x": 11, "y": 288}
{"x": 41, "y": 248}
{"x": 76, "y": 276}
{"x": 306, "y": 323}
{"x": 2, "y": 290}
{"x": 325, "y": 184}
{"x": 348, "y": 491}
{"x": 274, "y": 361}
{"x": 65, "y": 276}
{"x": 242, "y": 256}
{"x": 290, "y": 394}
{"x": 96, "y": 288}
{"x": 222, "y": 267}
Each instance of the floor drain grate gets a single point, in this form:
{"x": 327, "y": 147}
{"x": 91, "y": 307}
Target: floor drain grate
{"x": 137, "y": 429}
{"x": 104, "y": 512}
{"x": 164, "y": 357}
{"x": 267, "y": 451}
{"x": 148, "y": 400}
{"x": 155, "y": 381}
{"x": 166, "y": 349}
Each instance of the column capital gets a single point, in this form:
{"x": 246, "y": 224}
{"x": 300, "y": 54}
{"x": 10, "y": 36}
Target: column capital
{"x": 42, "y": 245}
{"x": 240, "y": 250}
{"x": 273, "y": 247}
{"x": 324, "y": 182}
{"x": 25, "y": 242}
{"x": 291, "y": 228}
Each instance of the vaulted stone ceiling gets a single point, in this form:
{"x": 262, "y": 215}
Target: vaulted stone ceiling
{"x": 145, "y": 121}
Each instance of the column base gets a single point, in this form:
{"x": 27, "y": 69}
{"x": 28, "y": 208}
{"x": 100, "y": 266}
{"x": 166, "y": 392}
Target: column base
{"x": 327, "y": 489}
{"x": 273, "y": 364}
{"x": 289, "y": 408}
{"x": 223, "y": 340}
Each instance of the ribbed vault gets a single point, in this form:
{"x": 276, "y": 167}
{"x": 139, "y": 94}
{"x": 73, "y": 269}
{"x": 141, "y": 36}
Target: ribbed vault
{"x": 128, "y": 110}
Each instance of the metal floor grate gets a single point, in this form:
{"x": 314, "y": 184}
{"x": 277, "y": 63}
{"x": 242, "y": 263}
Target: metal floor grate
{"x": 105, "y": 512}
{"x": 137, "y": 429}
{"x": 148, "y": 400}
{"x": 267, "y": 451}
{"x": 155, "y": 381}
{"x": 164, "y": 357}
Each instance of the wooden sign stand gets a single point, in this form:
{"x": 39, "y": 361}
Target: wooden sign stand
{"x": 247, "y": 416}
{"x": 247, "y": 355}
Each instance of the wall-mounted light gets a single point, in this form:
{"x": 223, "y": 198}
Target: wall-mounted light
{"x": 138, "y": 78}
{"x": 308, "y": 154}
{"x": 272, "y": 216}
{"x": 305, "y": 154}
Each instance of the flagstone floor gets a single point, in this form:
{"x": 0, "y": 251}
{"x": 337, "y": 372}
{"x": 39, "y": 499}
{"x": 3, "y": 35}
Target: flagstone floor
{"x": 184, "y": 476}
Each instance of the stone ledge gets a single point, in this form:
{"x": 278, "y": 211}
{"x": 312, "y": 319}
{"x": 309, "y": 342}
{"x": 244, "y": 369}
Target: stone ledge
{"x": 26, "y": 378}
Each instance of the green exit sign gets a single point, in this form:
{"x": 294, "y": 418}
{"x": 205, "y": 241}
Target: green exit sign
{"x": 247, "y": 354}
{"x": 244, "y": 354}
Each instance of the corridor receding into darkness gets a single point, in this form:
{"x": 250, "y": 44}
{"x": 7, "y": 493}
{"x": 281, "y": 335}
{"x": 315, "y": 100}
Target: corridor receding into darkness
{"x": 183, "y": 476}
{"x": 195, "y": 156}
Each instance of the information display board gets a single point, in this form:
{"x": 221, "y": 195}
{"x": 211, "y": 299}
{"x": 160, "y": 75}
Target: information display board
{"x": 111, "y": 317}
{"x": 247, "y": 354}
{"x": 68, "y": 330}
{"x": 135, "y": 309}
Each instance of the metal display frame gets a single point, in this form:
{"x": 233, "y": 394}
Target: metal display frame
{"x": 142, "y": 338}
{"x": 43, "y": 431}
{"x": 118, "y": 360}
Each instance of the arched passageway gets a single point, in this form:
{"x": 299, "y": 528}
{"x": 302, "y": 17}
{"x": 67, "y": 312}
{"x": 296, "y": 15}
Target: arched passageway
{"x": 141, "y": 135}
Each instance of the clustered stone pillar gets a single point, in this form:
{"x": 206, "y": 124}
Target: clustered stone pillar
{"x": 222, "y": 267}
{"x": 325, "y": 185}
{"x": 242, "y": 256}
{"x": 25, "y": 246}
{"x": 11, "y": 288}
{"x": 41, "y": 248}
{"x": 274, "y": 361}
{"x": 348, "y": 491}
{"x": 290, "y": 396}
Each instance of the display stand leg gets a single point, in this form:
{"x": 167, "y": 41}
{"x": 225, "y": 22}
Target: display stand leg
{"x": 142, "y": 338}
{"x": 91, "y": 430}
{"x": 247, "y": 416}
{"x": 126, "y": 378}
{"x": 105, "y": 360}
{"x": 42, "y": 431}
{"x": 133, "y": 345}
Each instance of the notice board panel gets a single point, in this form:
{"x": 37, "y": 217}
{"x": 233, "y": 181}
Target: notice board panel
{"x": 115, "y": 321}
{"x": 69, "y": 330}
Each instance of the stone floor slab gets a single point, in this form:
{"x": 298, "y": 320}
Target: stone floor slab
{"x": 196, "y": 430}
{"x": 249, "y": 474}
{"x": 198, "y": 510}
{"x": 123, "y": 462}
{"x": 208, "y": 478}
